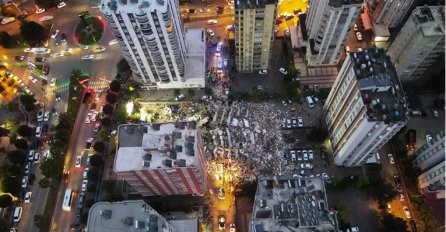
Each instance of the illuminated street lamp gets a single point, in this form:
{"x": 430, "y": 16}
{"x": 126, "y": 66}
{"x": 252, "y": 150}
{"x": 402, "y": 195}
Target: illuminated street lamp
{"x": 129, "y": 107}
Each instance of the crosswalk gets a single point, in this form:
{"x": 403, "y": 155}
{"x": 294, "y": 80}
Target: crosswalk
{"x": 65, "y": 84}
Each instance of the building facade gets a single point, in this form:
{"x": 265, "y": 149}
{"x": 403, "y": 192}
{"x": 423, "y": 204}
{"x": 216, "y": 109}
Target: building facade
{"x": 295, "y": 205}
{"x": 254, "y": 33}
{"x": 389, "y": 13}
{"x": 329, "y": 23}
{"x": 161, "y": 159}
{"x": 133, "y": 216}
{"x": 431, "y": 153}
{"x": 155, "y": 44}
{"x": 365, "y": 108}
{"x": 420, "y": 42}
{"x": 433, "y": 179}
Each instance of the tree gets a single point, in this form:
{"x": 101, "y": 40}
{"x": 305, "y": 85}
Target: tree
{"x": 2, "y": 89}
{"x": 122, "y": 66}
{"x": 176, "y": 92}
{"x": 96, "y": 160}
{"x": 208, "y": 91}
{"x": 106, "y": 122}
{"x": 248, "y": 189}
{"x": 28, "y": 101}
{"x": 99, "y": 146}
{"x": 13, "y": 170}
{"x": 17, "y": 157}
{"x": 392, "y": 223}
{"x": 5, "y": 200}
{"x": 89, "y": 203}
{"x": 191, "y": 92}
{"x": 46, "y": 3}
{"x": 21, "y": 144}
{"x": 111, "y": 98}
{"x": 5, "y": 39}
{"x": 91, "y": 187}
{"x": 11, "y": 185}
{"x": 108, "y": 109}
{"x": 115, "y": 86}
{"x": 93, "y": 174}
{"x": 108, "y": 186}
{"x": 83, "y": 218}
{"x": 317, "y": 134}
{"x": 41, "y": 221}
{"x": 4, "y": 225}
{"x": 299, "y": 93}
{"x": 120, "y": 114}
{"x": 32, "y": 32}
{"x": 24, "y": 130}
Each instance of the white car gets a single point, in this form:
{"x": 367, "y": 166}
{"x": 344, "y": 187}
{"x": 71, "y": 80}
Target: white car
{"x": 78, "y": 161}
{"x": 300, "y": 122}
{"x": 38, "y": 131}
{"x": 85, "y": 173}
{"x": 99, "y": 49}
{"x": 7, "y": 20}
{"x": 40, "y": 115}
{"x": 55, "y": 33}
{"x": 210, "y": 32}
{"x": 428, "y": 138}
{"x": 27, "y": 167}
{"x": 306, "y": 166}
{"x": 407, "y": 212}
{"x": 28, "y": 197}
{"x": 326, "y": 177}
{"x": 40, "y": 10}
{"x": 25, "y": 182}
{"x": 87, "y": 57}
{"x": 87, "y": 119}
{"x": 46, "y": 116}
{"x": 180, "y": 97}
{"x": 46, "y": 154}
{"x": 61, "y": 4}
{"x": 212, "y": 21}
{"x": 359, "y": 36}
{"x": 288, "y": 123}
{"x": 36, "y": 158}
{"x": 304, "y": 153}
{"x": 45, "y": 18}
{"x": 283, "y": 71}
{"x": 53, "y": 81}
{"x": 96, "y": 127}
{"x": 84, "y": 185}
{"x": 401, "y": 197}
{"x": 391, "y": 159}
{"x": 310, "y": 154}
{"x": 113, "y": 42}
{"x": 263, "y": 72}
{"x": 59, "y": 54}
{"x": 94, "y": 116}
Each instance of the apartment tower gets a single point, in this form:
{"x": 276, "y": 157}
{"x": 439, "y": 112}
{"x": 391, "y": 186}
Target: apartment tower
{"x": 419, "y": 43}
{"x": 365, "y": 107}
{"x": 387, "y": 12}
{"x": 161, "y": 159}
{"x": 155, "y": 44}
{"x": 328, "y": 24}
{"x": 254, "y": 33}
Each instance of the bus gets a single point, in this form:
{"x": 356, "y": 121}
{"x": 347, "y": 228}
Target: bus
{"x": 67, "y": 199}
{"x": 218, "y": 50}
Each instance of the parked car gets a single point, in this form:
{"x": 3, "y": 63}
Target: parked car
{"x": 212, "y": 21}
{"x": 25, "y": 182}
{"x": 428, "y": 138}
{"x": 87, "y": 57}
{"x": 300, "y": 122}
{"x": 54, "y": 34}
{"x": 61, "y": 4}
{"x": 40, "y": 59}
{"x": 88, "y": 118}
{"x": 221, "y": 222}
{"x": 263, "y": 72}
{"x": 7, "y": 20}
{"x": 407, "y": 212}
{"x": 210, "y": 32}
{"x": 99, "y": 49}
{"x": 391, "y": 159}
{"x": 310, "y": 155}
{"x": 78, "y": 161}
{"x": 28, "y": 197}
{"x": 283, "y": 71}
{"x": 46, "y": 116}
{"x": 359, "y": 36}
{"x": 180, "y": 97}
{"x": 40, "y": 115}
{"x": 27, "y": 167}
{"x": 84, "y": 185}
{"x": 85, "y": 173}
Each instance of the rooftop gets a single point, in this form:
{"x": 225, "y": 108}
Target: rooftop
{"x": 150, "y": 146}
{"x": 380, "y": 87}
{"x": 252, "y": 4}
{"x": 298, "y": 204}
{"x": 430, "y": 18}
{"x": 133, "y": 5}
{"x": 340, "y": 3}
{"x": 125, "y": 216}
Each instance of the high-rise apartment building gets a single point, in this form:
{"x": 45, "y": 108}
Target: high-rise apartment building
{"x": 294, "y": 205}
{"x": 419, "y": 43}
{"x": 133, "y": 216}
{"x": 254, "y": 33}
{"x": 160, "y": 52}
{"x": 388, "y": 12}
{"x": 328, "y": 24}
{"x": 161, "y": 159}
{"x": 365, "y": 107}
{"x": 431, "y": 153}
{"x": 433, "y": 180}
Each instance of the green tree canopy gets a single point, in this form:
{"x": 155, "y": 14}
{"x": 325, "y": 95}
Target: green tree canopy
{"x": 106, "y": 122}
{"x": 120, "y": 114}
{"x": 32, "y": 32}
{"x": 111, "y": 98}
{"x": 392, "y": 223}
{"x": 96, "y": 160}
{"x": 190, "y": 93}
{"x": 41, "y": 221}
{"x": 108, "y": 109}
{"x": 27, "y": 101}
{"x": 21, "y": 144}
{"x": 5, "y": 39}
{"x": 24, "y": 130}
{"x": 93, "y": 174}
{"x": 115, "y": 86}
{"x": 13, "y": 171}
{"x": 46, "y": 3}
{"x": 17, "y": 157}
{"x": 5, "y": 200}
{"x": 99, "y": 146}
{"x": 11, "y": 185}
{"x": 299, "y": 93}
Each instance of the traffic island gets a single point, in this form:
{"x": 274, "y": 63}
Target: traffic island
{"x": 89, "y": 30}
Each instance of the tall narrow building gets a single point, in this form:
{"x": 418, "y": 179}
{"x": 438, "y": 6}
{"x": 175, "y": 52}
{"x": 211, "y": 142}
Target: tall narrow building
{"x": 328, "y": 24}
{"x": 160, "y": 52}
{"x": 389, "y": 13}
{"x": 420, "y": 42}
{"x": 254, "y": 33}
{"x": 365, "y": 107}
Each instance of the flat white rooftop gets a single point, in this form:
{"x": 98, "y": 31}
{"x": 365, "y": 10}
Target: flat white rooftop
{"x": 134, "y": 5}
{"x": 155, "y": 146}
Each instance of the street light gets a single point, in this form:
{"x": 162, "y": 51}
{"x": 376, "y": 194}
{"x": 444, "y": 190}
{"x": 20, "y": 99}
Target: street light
{"x": 129, "y": 107}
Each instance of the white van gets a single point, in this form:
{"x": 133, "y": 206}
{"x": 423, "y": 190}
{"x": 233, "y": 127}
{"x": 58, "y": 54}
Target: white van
{"x": 310, "y": 102}
{"x": 17, "y": 214}
{"x": 31, "y": 155}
